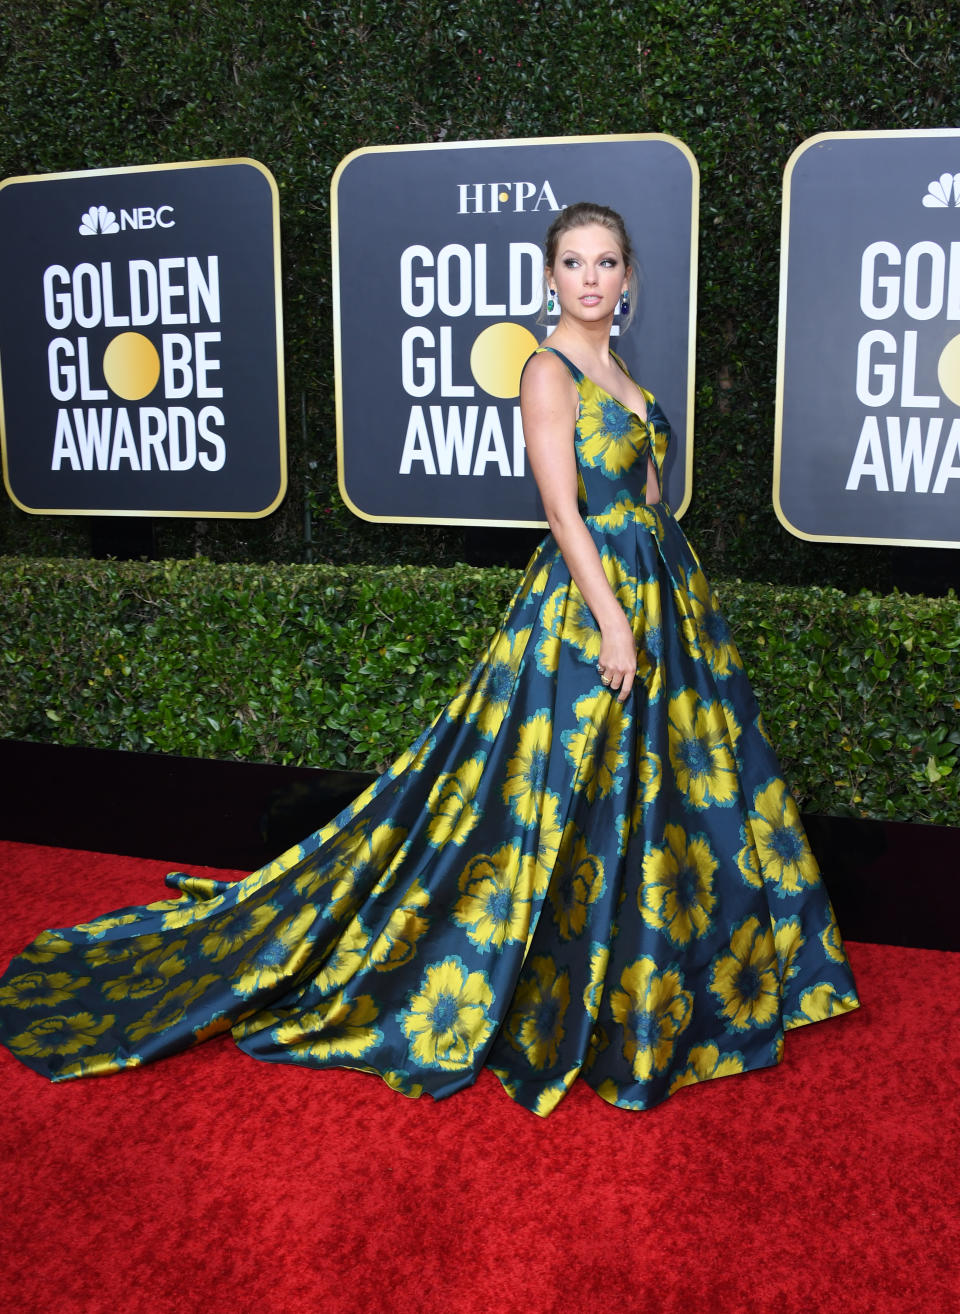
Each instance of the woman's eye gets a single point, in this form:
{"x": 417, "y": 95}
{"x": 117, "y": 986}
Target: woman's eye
{"x": 569, "y": 263}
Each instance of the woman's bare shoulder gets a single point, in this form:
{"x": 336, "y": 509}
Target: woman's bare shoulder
{"x": 544, "y": 377}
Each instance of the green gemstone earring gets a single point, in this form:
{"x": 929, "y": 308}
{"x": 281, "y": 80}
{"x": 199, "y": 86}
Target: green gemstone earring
{"x": 550, "y": 303}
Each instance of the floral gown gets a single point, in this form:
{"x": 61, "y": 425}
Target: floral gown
{"x": 548, "y": 882}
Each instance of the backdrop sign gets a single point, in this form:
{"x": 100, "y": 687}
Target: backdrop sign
{"x": 141, "y": 366}
{"x": 868, "y": 384}
{"x": 438, "y": 282}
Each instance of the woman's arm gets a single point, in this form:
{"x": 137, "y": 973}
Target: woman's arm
{"x": 548, "y": 407}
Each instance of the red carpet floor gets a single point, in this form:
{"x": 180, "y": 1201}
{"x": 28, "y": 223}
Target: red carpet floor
{"x": 214, "y": 1183}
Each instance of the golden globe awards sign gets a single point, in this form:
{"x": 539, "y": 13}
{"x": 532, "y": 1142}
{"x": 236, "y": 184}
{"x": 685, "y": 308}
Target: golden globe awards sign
{"x": 438, "y": 284}
{"x": 868, "y": 395}
{"x": 140, "y": 341}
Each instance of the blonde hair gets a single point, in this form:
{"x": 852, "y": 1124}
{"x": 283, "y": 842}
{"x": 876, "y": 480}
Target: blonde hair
{"x": 580, "y": 215}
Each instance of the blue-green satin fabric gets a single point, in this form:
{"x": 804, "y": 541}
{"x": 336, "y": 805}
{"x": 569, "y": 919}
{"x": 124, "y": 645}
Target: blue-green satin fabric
{"x": 549, "y": 882}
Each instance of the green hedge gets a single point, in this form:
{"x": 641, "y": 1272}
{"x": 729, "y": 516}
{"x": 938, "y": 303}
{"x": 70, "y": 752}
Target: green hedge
{"x": 341, "y": 667}
{"x": 298, "y": 84}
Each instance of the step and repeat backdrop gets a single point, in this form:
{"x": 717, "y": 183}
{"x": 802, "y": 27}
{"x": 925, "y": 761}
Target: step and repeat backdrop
{"x": 141, "y": 365}
{"x": 438, "y": 286}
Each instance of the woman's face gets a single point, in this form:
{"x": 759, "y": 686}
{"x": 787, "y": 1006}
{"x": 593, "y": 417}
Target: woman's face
{"x": 588, "y": 274}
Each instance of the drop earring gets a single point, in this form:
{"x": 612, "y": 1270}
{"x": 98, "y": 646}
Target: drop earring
{"x": 551, "y": 293}
{"x": 625, "y": 302}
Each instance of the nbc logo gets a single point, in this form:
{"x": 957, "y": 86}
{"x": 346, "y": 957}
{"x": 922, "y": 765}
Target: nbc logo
{"x": 943, "y": 191}
{"x": 98, "y": 219}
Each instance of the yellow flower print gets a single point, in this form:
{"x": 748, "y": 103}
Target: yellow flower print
{"x": 526, "y": 776}
{"x": 249, "y": 1023}
{"x": 186, "y": 911}
{"x": 47, "y": 946}
{"x": 595, "y": 749}
{"x": 785, "y": 856}
{"x": 820, "y": 1002}
{"x": 215, "y": 1028}
{"x": 831, "y": 941}
{"x": 759, "y": 723}
{"x": 508, "y": 1083}
{"x": 551, "y": 1094}
{"x": 597, "y": 970}
{"x": 345, "y": 959}
{"x": 342, "y": 1029}
{"x": 654, "y": 1009}
{"x": 279, "y": 957}
{"x": 613, "y": 518}
{"x": 676, "y": 894}
{"x": 487, "y": 704}
{"x": 400, "y": 1082}
{"x": 549, "y": 836}
{"x": 621, "y": 581}
{"x": 414, "y": 759}
{"x": 551, "y": 623}
{"x": 397, "y": 942}
{"x": 151, "y": 972}
{"x": 97, "y": 1065}
{"x": 746, "y": 978}
{"x": 649, "y": 780}
{"x": 599, "y": 1040}
{"x": 789, "y": 940}
{"x": 747, "y": 861}
{"x": 700, "y": 750}
{"x": 650, "y": 639}
{"x": 451, "y": 802}
{"x": 244, "y": 925}
{"x": 704, "y": 1062}
{"x": 578, "y": 626}
{"x": 447, "y": 1018}
{"x": 577, "y": 883}
{"x": 60, "y": 1035}
{"x": 110, "y": 953}
{"x": 534, "y": 1024}
{"x": 609, "y": 1090}
{"x": 611, "y": 437}
{"x": 171, "y": 1009}
{"x": 96, "y": 928}
{"x": 494, "y": 905}
{"x": 343, "y": 865}
{"x": 713, "y": 632}
{"x": 36, "y": 989}
{"x": 276, "y": 868}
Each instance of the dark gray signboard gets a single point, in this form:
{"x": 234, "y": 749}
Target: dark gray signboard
{"x": 438, "y": 285}
{"x": 141, "y": 368}
{"x": 868, "y": 395}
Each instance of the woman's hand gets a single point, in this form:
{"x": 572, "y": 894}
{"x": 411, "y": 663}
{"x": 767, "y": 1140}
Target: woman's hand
{"x": 617, "y": 663}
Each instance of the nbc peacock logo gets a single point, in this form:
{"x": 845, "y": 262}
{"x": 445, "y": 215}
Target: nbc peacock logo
{"x": 98, "y": 219}
{"x": 943, "y": 192}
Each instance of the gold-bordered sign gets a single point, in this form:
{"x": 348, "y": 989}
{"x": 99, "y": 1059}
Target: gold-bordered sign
{"x": 867, "y": 431}
{"x": 437, "y": 286}
{"x": 141, "y": 343}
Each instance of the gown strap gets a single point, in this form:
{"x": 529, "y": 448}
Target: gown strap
{"x": 578, "y": 374}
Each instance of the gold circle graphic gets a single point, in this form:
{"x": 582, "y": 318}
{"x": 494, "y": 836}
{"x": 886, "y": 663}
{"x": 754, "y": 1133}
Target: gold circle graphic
{"x": 131, "y": 366}
{"x": 948, "y": 370}
{"x": 498, "y": 356}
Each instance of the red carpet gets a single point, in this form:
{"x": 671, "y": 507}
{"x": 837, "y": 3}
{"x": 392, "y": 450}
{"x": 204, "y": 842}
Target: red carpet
{"x": 213, "y": 1183}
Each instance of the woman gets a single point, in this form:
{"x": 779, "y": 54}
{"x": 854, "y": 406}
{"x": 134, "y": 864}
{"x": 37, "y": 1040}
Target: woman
{"x": 588, "y": 864}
